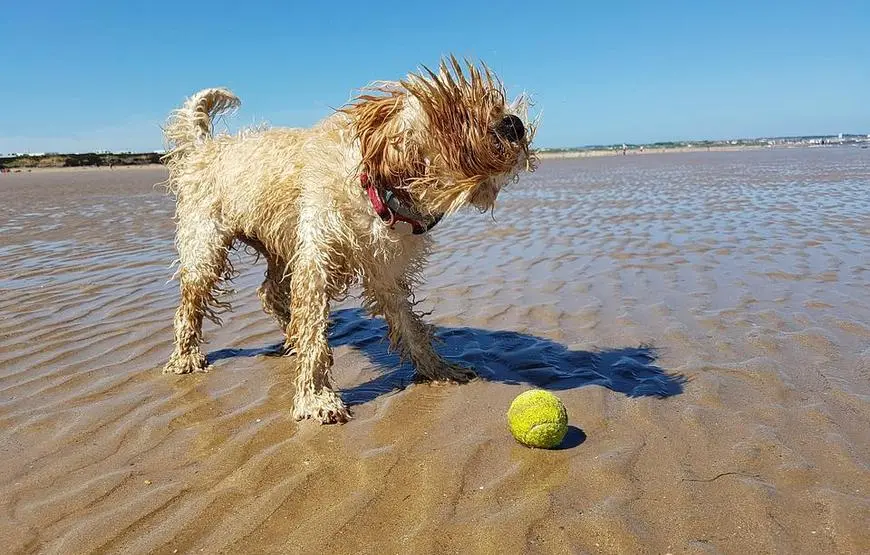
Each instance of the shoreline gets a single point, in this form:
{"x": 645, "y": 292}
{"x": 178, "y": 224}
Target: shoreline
{"x": 53, "y": 169}
{"x": 571, "y": 154}
{"x": 637, "y": 152}
{"x": 541, "y": 155}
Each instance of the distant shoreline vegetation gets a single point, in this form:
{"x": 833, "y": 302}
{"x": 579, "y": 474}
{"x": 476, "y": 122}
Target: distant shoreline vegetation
{"x": 57, "y": 160}
{"x": 664, "y": 146}
{"x": 19, "y": 161}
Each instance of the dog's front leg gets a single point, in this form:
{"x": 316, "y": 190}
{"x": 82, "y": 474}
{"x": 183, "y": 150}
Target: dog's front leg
{"x": 309, "y": 308}
{"x": 409, "y": 334}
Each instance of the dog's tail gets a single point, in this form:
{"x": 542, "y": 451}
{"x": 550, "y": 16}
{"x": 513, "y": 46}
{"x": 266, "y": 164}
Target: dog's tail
{"x": 192, "y": 123}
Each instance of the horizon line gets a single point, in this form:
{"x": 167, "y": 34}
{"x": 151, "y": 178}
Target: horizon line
{"x": 598, "y": 146}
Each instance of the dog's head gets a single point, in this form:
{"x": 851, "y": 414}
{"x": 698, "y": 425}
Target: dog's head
{"x": 448, "y": 139}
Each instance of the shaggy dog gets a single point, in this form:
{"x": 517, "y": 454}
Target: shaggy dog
{"x": 346, "y": 202}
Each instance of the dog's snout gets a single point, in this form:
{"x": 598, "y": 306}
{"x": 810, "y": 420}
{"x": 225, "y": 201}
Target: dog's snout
{"x": 511, "y": 128}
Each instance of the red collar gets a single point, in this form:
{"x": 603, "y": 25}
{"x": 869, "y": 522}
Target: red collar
{"x": 390, "y": 209}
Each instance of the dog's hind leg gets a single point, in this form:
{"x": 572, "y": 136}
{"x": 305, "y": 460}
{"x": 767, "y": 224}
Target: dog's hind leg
{"x": 274, "y": 293}
{"x": 203, "y": 250}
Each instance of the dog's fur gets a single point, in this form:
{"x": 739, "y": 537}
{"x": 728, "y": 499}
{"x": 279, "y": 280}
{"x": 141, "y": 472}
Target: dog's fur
{"x": 295, "y": 196}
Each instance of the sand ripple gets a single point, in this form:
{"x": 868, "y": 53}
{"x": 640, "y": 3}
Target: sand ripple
{"x": 705, "y": 318}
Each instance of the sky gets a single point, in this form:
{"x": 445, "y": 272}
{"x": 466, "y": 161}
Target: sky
{"x": 83, "y": 76}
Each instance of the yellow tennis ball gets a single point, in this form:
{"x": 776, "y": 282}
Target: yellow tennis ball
{"x": 538, "y": 418}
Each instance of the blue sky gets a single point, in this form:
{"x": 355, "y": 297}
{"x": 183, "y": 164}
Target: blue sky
{"x": 79, "y": 76}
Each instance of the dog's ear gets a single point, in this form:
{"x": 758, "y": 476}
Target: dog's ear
{"x": 388, "y": 153}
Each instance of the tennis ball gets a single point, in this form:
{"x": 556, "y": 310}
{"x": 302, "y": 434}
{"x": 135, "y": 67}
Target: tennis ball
{"x": 537, "y": 418}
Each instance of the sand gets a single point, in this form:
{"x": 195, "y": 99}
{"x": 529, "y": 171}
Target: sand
{"x": 704, "y": 317}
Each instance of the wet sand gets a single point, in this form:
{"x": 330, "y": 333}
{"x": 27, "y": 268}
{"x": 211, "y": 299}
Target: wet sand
{"x": 704, "y": 317}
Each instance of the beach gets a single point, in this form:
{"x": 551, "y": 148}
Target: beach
{"x": 704, "y": 317}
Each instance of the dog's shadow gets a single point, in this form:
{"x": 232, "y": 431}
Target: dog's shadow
{"x": 504, "y": 356}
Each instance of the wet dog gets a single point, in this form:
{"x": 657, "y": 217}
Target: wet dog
{"x": 346, "y": 202}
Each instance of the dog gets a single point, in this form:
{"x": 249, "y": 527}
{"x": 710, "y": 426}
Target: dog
{"x": 346, "y": 202}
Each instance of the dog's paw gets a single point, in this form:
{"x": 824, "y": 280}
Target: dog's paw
{"x": 450, "y": 373}
{"x": 186, "y": 363}
{"x": 325, "y": 407}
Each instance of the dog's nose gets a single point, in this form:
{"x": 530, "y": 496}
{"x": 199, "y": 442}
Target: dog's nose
{"x": 511, "y": 128}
